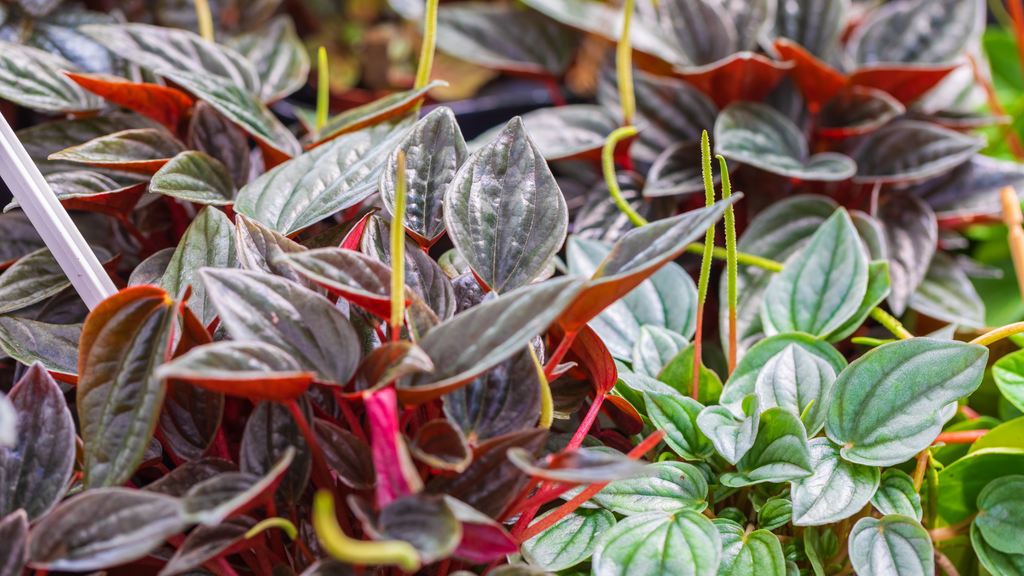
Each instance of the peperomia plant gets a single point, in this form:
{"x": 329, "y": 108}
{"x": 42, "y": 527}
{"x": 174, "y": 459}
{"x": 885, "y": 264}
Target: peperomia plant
{"x": 363, "y": 344}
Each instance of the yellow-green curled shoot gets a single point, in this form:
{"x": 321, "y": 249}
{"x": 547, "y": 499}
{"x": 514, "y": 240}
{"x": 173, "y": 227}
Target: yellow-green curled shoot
{"x": 608, "y": 166}
{"x": 398, "y": 252}
{"x": 427, "y": 49}
{"x": 547, "y": 403}
{"x": 624, "y": 67}
{"x": 269, "y": 523}
{"x": 323, "y": 88}
{"x": 205, "y": 19}
{"x": 340, "y": 546}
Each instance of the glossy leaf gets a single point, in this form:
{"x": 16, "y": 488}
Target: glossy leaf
{"x": 877, "y": 291}
{"x": 190, "y": 419}
{"x": 732, "y": 435}
{"x": 118, "y": 398}
{"x": 571, "y": 132}
{"x": 884, "y": 408}
{"x": 33, "y": 78}
{"x": 144, "y": 151}
{"x": 252, "y": 370}
{"x": 910, "y": 151}
{"x": 668, "y": 487}
{"x": 654, "y": 348}
{"x": 996, "y": 562}
{"x": 775, "y": 513}
{"x": 677, "y": 416}
{"x": 895, "y": 545}
{"x": 911, "y": 232}
{"x": 922, "y": 32}
{"x": 1008, "y": 373}
{"x": 948, "y": 294}
{"x": 817, "y": 81}
{"x": 423, "y": 520}
{"x": 92, "y": 191}
{"x": 434, "y": 151}
{"x": 255, "y": 306}
{"x": 1000, "y": 514}
{"x": 37, "y": 467}
{"x": 794, "y": 379}
{"x": 971, "y": 188}
{"x": 320, "y": 182}
{"x": 504, "y": 399}
{"x": 779, "y": 452}
{"x": 441, "y": 445}
{"x": 206, "y": 543}
{"x": 33, "y": 278}
{"x": 165, "y": 105}
{"x": 507, "y": 228}
{"x": 837, "y": 490}
{"x": 386, "y": 364}
{"x": 346, "y": 454}
{"x": 676, "y": 171}
{"x": 53, "y": 345}
{"x": 195, "y": 177}
{"x": 392, "y": 109}
{"x": 270, "y": 435}
{"x": 822, "y": 286}
{"x": 278, "y": 56}
{"x": 211, "y": 133}
{"x": 262, "y": 249}
{"x": 102, "y": 528}
{"x": 179, "y": 481}
{"x": 360, "y": 279}
{"x": 701, "y": 30}
{"x": 208, "y": 241}
{"x": 658, "y": 544}
{"x": 896, "y": 495}
{"x": 758, "y": 552}
{"x": 570, "y": 541}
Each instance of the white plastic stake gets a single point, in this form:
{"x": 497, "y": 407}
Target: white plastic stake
{"x": 52, "y": 222}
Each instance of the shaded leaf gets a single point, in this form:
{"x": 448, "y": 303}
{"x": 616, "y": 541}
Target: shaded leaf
{"x": 896, "y": 495}
{"x": 53, "y": 345}
{"x": 677, "y": 170}
{"x": 894, "y": 545}
{"x": 837, "y": 490}
{"x": 701, "y": 30}
{"x": 911, "y": 233}
{"x": 33, "y": 278}
{"x": 14, "y": 547}
{"x": 813, "y": 24}
{"x": 190, "y": 417}
{"x": 270, "y": 435}
{"x": 206, "y": 543}
{"x": 741, "y": 76}
{"x": 423, "y": 520}
{"x": 575, "y": 131}
{"x": 211, "y": 133}
{"x": 441, "y": 445}
{"x": 657, "y": 543}
{"x": 946, "y": 293}
{"x": 909, "y": 151}
{"x": 775, "y": 513}
{"x": 999, "y": 514}
{"x": 213, "y": 500}
{"x": 144, "y": 151}
{"x": 504, "y": 399}
{"x": 971, "y": 188}
{"x": 34, "y": 79}
{"x": 346, "y": 454}
{"x": 582, "y": 466}
{"x": 262, "y": 249}
{"x": 858, "y": 110}
{"x": 779, "y": 452}
{"x": 961, "y": 482}
{"x": 208, "y": 241}
{"x": 996, "y": 562}
{"x": 195, "y": 177}
{"x": 91, "y": 191}
{"x": 278, "y": 56}
{"x": 165, "y": 105}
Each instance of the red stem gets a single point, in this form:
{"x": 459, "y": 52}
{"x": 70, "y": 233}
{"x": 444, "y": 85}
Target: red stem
{"x": 220, "y": 444}
{"x": 588, "y": 421}
{"x": 696, "y": 351}
{"x": 965, "y": 437}
{"x": 321, "y": 474}
{"x": 558, "y": 354}
{"x": 350, "y": 416}
{"x": 223, "y": 565}
{"x": 555, "y": 90}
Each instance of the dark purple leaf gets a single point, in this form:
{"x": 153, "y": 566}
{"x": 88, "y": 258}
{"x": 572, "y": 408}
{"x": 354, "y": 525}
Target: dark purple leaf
{"x": 270, "y": 435}
{"x": 346, "y": 454}
{"x": 911, "y": 233}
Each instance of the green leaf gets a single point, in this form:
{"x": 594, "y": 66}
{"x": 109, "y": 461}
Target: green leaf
{"x": 775, "y": 513}
{"x": 392, "y": 108}
{"x": 659, "y": 544}
{"x": 910, "y": 151}
{"x": 277, "y": 54}
{"x": 158, "y": 47}
{"x": 764, "y": 138}
{"x": 893, "y": 546}
{"x": 753, "y": 554}
{"x": 668, "y": 299}
{"x": 961, "y": 482}
{"x": 575, "y": 131}
{"x": 483, "y": 336}
{"x": 798, "y": 381}
{"x": 779, "y": 453}
{"x": 837, "y": 490}
{"x": 1001, "y": 514}
{"x": 14, "y": 547}
{"x": 320, "y": 182}
{"x": 104, "y": 527}
{"x": 677, "y": 416}
{"x": 256, "y": 306}
{"x": 36, "y": 469}
{"x": 241, "y": 107}
{"x": 33, "y": 278}
{"x": 208, "y": 241}
{"x": 124, "y": 339}
{"x": 996, "y": 562}
{"x": 884, "y": 408}
{"x": 877, "y": 291}
{"x": 145, "y": 150}
{"x": 948, "y": 294}
{"x": 678, "y": 373}
{"x": 822, "y": 286}
{"x": 270, "y": 435}
{"x": 911, "y": 233}
{"x": 150, "y": 270}
{"x": 819, "y": 547}
{"x": 505, "y": 212}
{"x": 434, "y": 151}
{"x": 570, "y": 541}
{"x": 896, "y": 495}
{"x": 1008, "y": 373}
{"x": 654, "y": 348}
{"x": 582, "y": 466}
{"x": 53, "y": 345}
{"x": 732, "y": 436}
{"x": 917, "y": 32}
{"x": 195, "y": 177}
{"x": 34, "y": 79}
{"x": 667, "y": 487}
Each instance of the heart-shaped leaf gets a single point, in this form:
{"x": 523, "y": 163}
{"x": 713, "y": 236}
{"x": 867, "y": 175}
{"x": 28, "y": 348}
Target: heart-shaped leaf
{"x": 157, "y": 47}
{"x": 270, "y": 435}
{"x": 208, "y": 241}
{"x": 732, "y": 436}
{"x": 758, "y": 552}
{"x": 393, "y": 108}
{"x": 701, "y": 30}
{"x": 346, "y": 454}
{"x": 822, "y": 286}
{"x": 961, "y": 482}
{"x": 946, "y": 293}
{"x": 837, "y": 490}
{"x": 241, "y": 107}
{"x": 55, "y": 346}
{"x": 741, "y": 76}
{"x": 813, "y": 24}
{"x": 570, "y": 541}
{"x": 34, "y": 79}
{"x": 476, "y": 340}
{"x": 659, "y": 544}
{"x": 124, "y": 339}
{"x": 775, "y": 513}
{"x": 996, "y": 562}
{"x": 321, "y": 182}
{"x": 144, "y": 151}
{"x": 14, "y": 550}
{"x": 779, "y": 452}
{"x": 678, "y": 373}
{"x": 798, "y": 381}
{"x": 884, "y": 407}
{"x": 102, "y": 528}
{"x": 504, "y": 399}
{"x": 896, "y": 495}
{"x": 758, "y": 135}
{"x": 434, "y": 151}
{"x": 858, "y": 110}
{"x": 277, "y": 54}
{"x": 36, "y": 468}
{"x": 195, "y": 177}
{"x": 1000, "y": 514}
{"x": 909, "y": 151}
{"x": 206, "y": 543}
{"x": 895, "y": 545}
{"x": 211, "y": 133}
{"x": 505, "y": 212}
{"x": 668, "y": 487}
{"x": 576, "y": 131}
{"x": 255, "y": 306}
{"x": 911, "y": 232}
{"x": 919, "y": 31}
{"x": 530, "y": 42}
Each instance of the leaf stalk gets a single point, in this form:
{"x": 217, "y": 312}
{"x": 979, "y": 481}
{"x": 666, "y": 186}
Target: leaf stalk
{"x": 427, "y": 49}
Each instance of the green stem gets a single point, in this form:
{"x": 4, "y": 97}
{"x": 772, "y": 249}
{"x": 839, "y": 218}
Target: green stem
{"x": 705, "y": 263}
{"x": 931, "y": 476}
{"x": 891, "y": 324}
{"x": 731, "y": 264}
{"x": 205, "y": 20}
{"x": 274, "y": 522}
{"x": 608, "y": 165}
{"x": 323, "y": 88}
{"x": 398, "y": 253}
{"x": 624, "y": 67}
{"x": 741, "y": 257}
{"x": 999, "y": 333}
{"x": 427, "y": 49}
